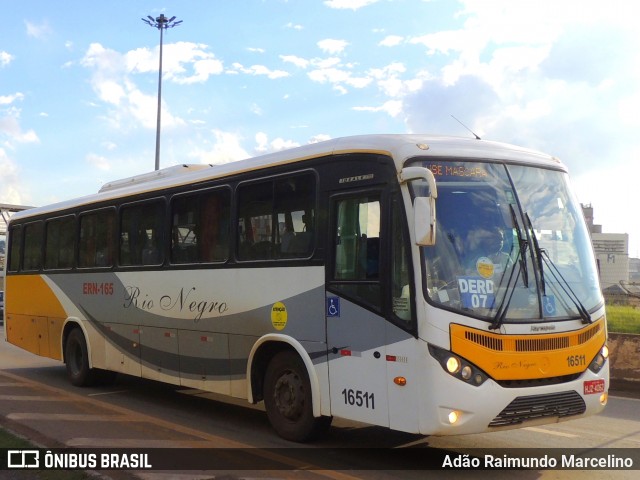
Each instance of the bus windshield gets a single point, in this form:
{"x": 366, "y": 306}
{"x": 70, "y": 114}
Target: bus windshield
{"x": 511, "y": 244}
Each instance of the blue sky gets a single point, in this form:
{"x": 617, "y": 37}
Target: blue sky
{"x": 78, "y": 85}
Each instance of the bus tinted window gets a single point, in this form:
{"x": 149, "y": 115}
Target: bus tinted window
{"x": 358, "y": 239}
{"x": 357, "y": 248}
{"x": 60, "y": 248}
{"x": 200, "y": 227}
{"x": 32, "y": 259}
{"x": 14, "y": 254}
{"x": 96, "y": 239}
{"x": 142, "y": 234}
{"x": 275, "y": 218}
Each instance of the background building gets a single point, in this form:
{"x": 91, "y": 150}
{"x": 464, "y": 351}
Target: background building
{"x": 612, "y": 254}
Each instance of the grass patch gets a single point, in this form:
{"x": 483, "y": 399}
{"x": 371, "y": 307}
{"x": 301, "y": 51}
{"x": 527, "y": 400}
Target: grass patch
{"x": 8, "y": 440}
{"x": 623, "y": 319}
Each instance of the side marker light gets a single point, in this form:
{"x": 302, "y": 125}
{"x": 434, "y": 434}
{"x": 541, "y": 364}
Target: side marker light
{"x": 401, "y": 381}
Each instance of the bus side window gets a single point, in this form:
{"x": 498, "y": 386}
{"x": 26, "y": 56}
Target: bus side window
{"x": 96, "y": 247}
{"x": 60, "y": 245}
{"x": 275, "y": 218}
{"x": 33, "y": 239}
{"x": 294, "y": 200}
{"x": 401, "y": 302}
{"x": 213, "y": 227}
{"x": 357, "y": 248}
{"x": 15, "y": 250}
{"x": 142, "y": 234}
{"x": 200, "y": 227}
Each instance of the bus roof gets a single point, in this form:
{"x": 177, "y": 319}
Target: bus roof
{"x": 400, "y": 147}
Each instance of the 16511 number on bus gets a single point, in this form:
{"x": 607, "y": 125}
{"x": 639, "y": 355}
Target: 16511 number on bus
{"x": 358, "y": 398}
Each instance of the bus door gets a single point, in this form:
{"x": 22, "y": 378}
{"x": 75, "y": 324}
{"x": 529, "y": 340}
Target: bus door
{"x": 356, "y": 332}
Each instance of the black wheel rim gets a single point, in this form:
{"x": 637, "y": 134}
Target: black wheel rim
{"x": 289, "y": 396}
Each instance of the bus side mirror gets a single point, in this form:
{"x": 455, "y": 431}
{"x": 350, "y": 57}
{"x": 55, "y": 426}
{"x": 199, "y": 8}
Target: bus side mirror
{"x": 424, "y": 207}
{"x": 424, "y": 221}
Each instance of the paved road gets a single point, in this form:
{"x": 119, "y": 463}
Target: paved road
{"x": 37, "y": 402}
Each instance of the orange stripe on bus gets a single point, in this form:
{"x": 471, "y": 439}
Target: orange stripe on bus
{"x": 30, "y": 295}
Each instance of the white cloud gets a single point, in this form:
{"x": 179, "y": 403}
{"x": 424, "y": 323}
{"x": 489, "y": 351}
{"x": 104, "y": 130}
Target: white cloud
{"x": 323, "y": 63}
{"x": 225, "y": 149}
{"x": 9, "y": 99}
{"x": 332, "y": 46}
{"x": 348, "y": 4}
{"x": 260, "y": 70}
{"x": 113, "y": 85}
{"x": 391, "y": 41}
{"x": 255, "y": 109}
{"x": 182, "y": 62}
{"x": 11, "y": 185}
{"x": 319, "y": 138}
{"x": 98, "y": 161}
{"x": 297, "y": 61}
{"x": 10, "y": 127}
{"x": 5, "y": 58}
{"x": 263, "y": 145}
{"x": 392, "y": 107}
{"x": 331, "y": 70}
{"x": 38, "y": 31}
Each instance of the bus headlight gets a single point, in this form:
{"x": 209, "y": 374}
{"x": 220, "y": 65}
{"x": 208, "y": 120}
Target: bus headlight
{"x": 457, "y": 366}
{"x": 453, "y": 365}
{"x": 599, "y": 360}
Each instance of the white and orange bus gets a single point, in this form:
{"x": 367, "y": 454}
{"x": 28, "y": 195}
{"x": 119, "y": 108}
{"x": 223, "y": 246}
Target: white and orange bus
{"x": 321, "y": 281}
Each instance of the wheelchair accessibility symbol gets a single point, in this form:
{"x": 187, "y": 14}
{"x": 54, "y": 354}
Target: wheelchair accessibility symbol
{"x": 333, "y": 306}
{"x": 549, "y": 305}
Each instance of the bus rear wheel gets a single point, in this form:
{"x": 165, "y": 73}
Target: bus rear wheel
{"x": 288, "y": 400}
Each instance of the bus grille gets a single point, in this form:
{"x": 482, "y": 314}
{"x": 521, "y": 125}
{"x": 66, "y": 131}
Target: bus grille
{"x": 533, "y": 407}
{"x": 537, "y": 344}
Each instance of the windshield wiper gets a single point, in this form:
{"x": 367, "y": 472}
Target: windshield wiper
{"x": 522, "y": 247}
{"x": 501, "y": 312}
{"x": 536, "y": 251}
{"x": 542, "y": 257}
{"x": 557, "y": 276}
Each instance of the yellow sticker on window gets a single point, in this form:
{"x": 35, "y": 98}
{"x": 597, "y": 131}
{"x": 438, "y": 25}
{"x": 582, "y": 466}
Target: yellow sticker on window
{"x": 485, "y": 267}
{"x": 279, "y": 316}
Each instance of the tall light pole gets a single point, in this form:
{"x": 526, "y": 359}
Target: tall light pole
{"x": 161, "y": 23}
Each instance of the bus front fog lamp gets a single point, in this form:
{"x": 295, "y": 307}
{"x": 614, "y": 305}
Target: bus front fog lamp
{"x": 453, "y": 417}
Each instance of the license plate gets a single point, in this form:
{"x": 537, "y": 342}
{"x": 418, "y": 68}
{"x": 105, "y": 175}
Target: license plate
{"x": 593, "y": 386}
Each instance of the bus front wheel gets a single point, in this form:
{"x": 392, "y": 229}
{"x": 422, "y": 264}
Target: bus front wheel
{"x": 76, "y": 356}
{"x": 287, "y": 398}
{"x": 77, "y": 359}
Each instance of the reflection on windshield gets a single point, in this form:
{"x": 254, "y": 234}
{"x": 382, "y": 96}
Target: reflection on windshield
{"x": 482, "y": 263}
{"x": 570, "y": 275}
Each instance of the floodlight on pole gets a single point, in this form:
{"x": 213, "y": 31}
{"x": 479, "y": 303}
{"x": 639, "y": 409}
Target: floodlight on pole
{"x": 161, "y": 23}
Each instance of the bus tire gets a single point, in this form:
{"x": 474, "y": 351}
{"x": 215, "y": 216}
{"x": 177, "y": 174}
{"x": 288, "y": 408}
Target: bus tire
{"x": 76, "y": 357}
{"x": 287, "y": 399}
